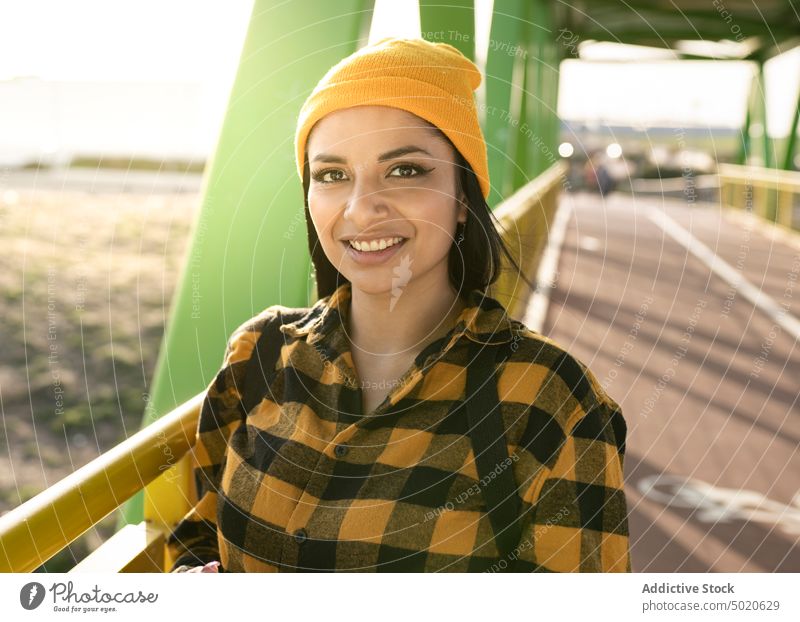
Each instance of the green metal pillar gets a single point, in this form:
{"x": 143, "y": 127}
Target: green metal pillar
{"x": 768, "y": 146}
{"x": 506, "y": 49}
{"x": 550, "y": 58}
{"x": 555, "y": 54}
{"x": 449, "y": 21}
{"x": 249, "y": 245}
{"x": 791, "y": 141}
{"x": 744, "y": 146}
{"x": 756, "y": 115}
{"x": 521, "y": 163}
{"x": 539, "y": 131}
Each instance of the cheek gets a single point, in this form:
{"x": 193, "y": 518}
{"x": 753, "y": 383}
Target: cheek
{"x": 323, "y": 215}
{"x": 437, "y": 225}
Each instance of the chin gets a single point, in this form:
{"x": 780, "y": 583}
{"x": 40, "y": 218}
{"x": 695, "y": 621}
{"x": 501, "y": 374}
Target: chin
{"x": 373, "y": 286}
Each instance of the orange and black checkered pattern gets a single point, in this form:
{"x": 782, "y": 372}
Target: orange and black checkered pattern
{"x": 305, "y": 481}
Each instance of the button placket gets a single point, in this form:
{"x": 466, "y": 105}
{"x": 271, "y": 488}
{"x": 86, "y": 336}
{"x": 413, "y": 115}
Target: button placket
{"x": 303, "y": 513}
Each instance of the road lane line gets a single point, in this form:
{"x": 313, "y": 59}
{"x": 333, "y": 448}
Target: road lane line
{"x": 777, "y": 313}
{"x": 536, "y": 311}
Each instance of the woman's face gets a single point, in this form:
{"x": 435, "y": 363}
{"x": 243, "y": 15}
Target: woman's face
{"x": 380, "y": 173}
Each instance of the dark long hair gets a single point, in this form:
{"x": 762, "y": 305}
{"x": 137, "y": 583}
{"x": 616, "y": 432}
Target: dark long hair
{"x": 475, "y": 266}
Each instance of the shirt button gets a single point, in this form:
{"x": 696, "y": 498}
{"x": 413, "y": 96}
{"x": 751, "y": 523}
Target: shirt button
{"x": 300, "y": 535}
{"x": 340, "y": 450}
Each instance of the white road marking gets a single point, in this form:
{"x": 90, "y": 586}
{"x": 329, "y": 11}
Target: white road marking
{"x": 714, "y": 504}
{"x": 588, "y": 243}
{"x": 777, "y": 313}
{"x": 536, "y": 311}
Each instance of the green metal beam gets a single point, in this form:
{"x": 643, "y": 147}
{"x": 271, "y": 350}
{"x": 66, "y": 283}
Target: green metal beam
{"x": 521, "y": 163}
{"x": 542, "y": 92}
{"x": 554, "y": 53}
{"x": 449, "y": 21}
{"x": 505, "y": 49}
{"x": 684, "y": 12}
{"x": 531, "y": 120}
{"x": 664, "y": 33}
{"x": 744, "y": 147}
{"x": 535, "y": 131}
{"x": 761, "y": 94}
{"x": 771, "y": 49}
{"x": 648, "y": 20}
{"x": 675, "y": 56}
{"x": 249, "y": 247}
{"x": 756, "y": 113}
{"x": 791, "y": 141}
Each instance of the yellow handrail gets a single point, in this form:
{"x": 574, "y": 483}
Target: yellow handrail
{"x": 39, "y": 528}
{"x": 526, "y": 218}
{"x": 751, "y": 187}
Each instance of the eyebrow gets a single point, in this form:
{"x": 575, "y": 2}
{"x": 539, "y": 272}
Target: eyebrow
{"x": 389, "y": 155}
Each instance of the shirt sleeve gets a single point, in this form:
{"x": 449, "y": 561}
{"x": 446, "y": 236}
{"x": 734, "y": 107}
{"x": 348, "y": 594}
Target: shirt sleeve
{"x": 193, "y": 542}
{"x": 575, "y": 516}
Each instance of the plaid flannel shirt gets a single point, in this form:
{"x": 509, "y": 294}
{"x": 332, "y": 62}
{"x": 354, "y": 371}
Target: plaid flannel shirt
{"x": 307, "y": 482}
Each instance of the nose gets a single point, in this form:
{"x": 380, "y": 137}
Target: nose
{"x": 366, "y": 202}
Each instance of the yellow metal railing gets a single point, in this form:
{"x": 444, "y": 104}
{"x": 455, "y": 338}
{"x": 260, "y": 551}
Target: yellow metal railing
{"x": 767, "y": 192}
{"x": 526, "y": 218}
{"x": 156, "y": 457}
{"x": 41, "y": 527}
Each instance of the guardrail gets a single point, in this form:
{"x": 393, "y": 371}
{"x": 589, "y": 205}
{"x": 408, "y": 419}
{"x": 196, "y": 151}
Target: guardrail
{"x": 767, "y": 192}
{"x": 526, "y": 218}
{"x": 41, "y": 527}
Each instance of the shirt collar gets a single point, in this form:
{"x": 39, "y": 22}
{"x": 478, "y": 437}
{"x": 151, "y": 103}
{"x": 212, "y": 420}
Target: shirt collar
{"x": 483, "y": 320}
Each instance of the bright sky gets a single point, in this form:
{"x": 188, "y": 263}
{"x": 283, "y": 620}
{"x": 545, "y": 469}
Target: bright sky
{"x": 708, "y": 93}
{"x": 101, "y": 40}
{"x": 200, "y": 41}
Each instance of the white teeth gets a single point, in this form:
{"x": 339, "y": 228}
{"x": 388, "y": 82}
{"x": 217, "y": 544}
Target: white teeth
{"x": 375, "y": 245}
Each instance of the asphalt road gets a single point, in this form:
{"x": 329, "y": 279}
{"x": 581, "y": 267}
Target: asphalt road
{"x": 703, "y": 356}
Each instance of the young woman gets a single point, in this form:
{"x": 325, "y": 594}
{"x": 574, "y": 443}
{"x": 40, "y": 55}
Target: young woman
{"x": 404, "y": 422}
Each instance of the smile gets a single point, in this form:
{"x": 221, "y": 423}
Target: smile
{"x": 367, "y": 256}
{"x": 375, "y": 245}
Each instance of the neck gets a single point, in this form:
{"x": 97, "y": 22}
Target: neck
{"x": 421, "y": 313}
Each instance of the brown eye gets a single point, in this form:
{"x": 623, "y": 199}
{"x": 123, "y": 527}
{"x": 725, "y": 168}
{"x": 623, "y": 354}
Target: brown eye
{"x": 414, "y": 169}
{"x": 322, "y": 176}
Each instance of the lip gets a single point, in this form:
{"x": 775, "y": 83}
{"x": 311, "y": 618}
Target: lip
{"x": 369, "y": 258}
{"x": 376, "y": 239}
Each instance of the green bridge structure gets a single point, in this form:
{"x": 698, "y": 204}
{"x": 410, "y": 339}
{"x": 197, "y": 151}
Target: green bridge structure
{"x": 249, "y": 248}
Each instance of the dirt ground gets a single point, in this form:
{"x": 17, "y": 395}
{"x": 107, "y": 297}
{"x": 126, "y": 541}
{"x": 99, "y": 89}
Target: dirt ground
{"x": 86, "y": 280}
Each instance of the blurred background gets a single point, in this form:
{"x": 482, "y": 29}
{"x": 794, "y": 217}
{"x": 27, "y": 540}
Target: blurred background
{"x": 671, "y": 276}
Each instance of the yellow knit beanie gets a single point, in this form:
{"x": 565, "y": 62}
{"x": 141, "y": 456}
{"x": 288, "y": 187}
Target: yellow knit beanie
{"x": 434, "y": 81}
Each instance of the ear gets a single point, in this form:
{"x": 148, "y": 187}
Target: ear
{"x": 463, "y": 210}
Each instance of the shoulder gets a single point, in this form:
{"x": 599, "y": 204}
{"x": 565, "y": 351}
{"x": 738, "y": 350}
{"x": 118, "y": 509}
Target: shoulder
{"x": 272, "y": 320}
{"x": 553, "y": 382}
